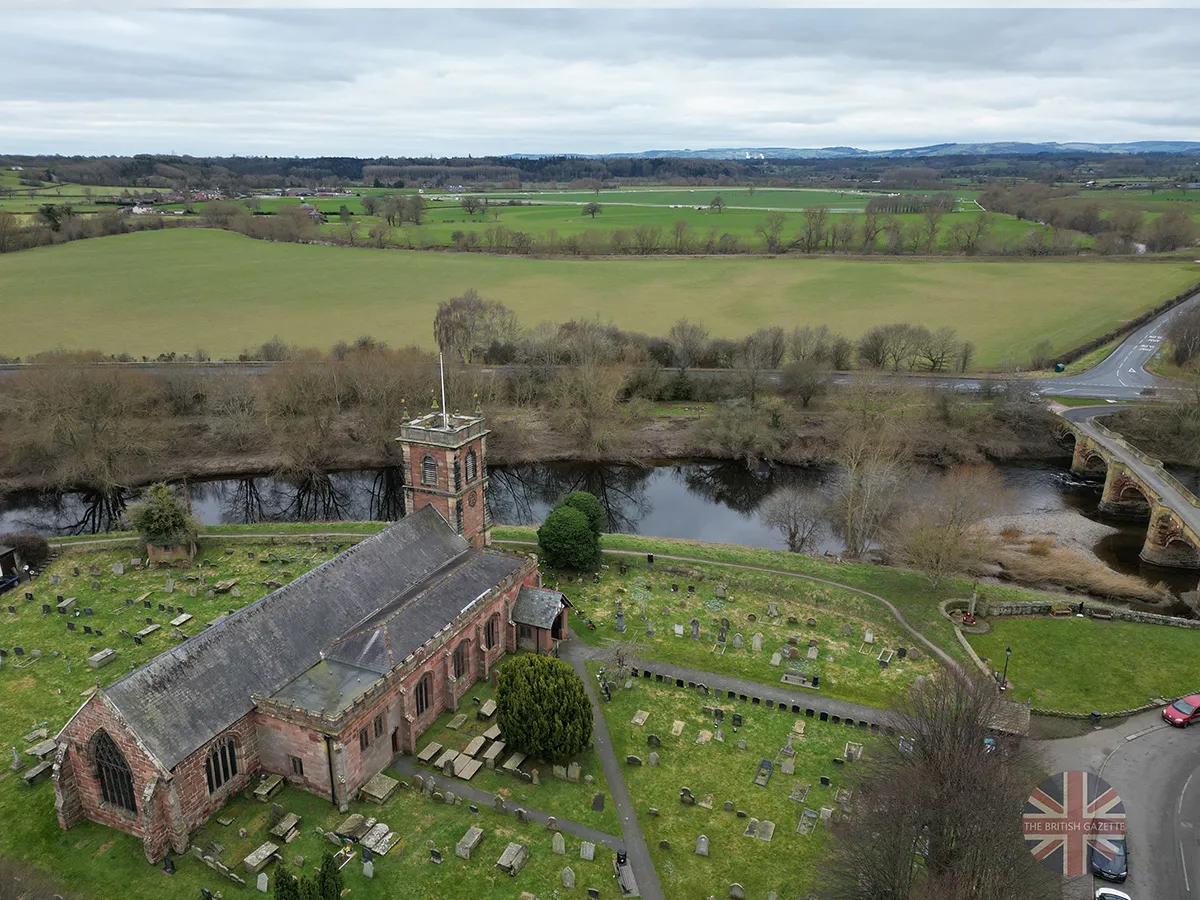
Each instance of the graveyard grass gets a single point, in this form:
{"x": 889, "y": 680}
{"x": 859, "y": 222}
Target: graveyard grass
{"x": 787, "y": 863}
{"x": 552, "y": 796}
{"x": 1079, "y": 665}
{"x": 848, "y": 667}
{"x": 262, "y": 289}
{"x": 95, "y": 861}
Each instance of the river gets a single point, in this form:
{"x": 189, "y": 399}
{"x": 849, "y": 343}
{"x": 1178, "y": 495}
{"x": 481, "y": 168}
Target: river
{"x": 707, "y": 501}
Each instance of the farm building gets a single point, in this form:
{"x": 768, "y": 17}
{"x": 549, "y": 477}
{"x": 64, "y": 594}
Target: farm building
{"x": 326, "y": 679}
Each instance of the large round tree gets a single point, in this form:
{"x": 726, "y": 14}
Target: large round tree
{"x": 567, "y": 541}
{"x": 542, "y": 708}
{"x": 588, "y": 505}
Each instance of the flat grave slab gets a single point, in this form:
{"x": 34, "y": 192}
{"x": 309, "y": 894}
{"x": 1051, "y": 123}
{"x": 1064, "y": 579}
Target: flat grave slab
{"x": 458, "y": 722}
{"x": 182, "y": 619}
{"x": 259, "y": 857}
{"x": 40, "y": 772}
{"x": 493, "y": 752}
{"x": 676, "y": 728}
{"x": 386, "y": 843}
{"x": 486, "y": 711}
{"x": 704, "y": 736}
{"x": 285, "y": 829}
{"x": 808, "y": 821}
{"x": 448, "y": 755}
{"x": 374, "y": 835}
{"x": 379, "y": 788}
{"x": 493, "y": 733}
{"x": 266, "y": 788}
{"x": 147, "y": 631}
{"x": 514, "y": 761}
{"x": 465, "y": 767}
{"x": 766, "y": 830}
{"x": 42, "y": 749}
{"x": 103, "y": 658}
{"x": 354, "y": 827}
{"x": 431, "y": 750}
{"x": 475, "y": 745}
{"x": 640, "y": 717}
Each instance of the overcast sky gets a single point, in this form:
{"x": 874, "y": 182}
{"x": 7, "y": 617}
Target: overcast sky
{"x": 490, "y": 81}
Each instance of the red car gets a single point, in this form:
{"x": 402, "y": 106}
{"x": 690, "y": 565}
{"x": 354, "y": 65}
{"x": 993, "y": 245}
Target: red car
{"x": 1183, "y": 711}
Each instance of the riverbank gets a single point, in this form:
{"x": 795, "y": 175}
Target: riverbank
{"x": 198, "y": 449}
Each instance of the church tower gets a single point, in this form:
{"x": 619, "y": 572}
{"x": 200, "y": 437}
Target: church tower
{"x": 445, "y": 467}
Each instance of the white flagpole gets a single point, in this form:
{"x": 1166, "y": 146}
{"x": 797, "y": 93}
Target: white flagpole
{"x": 442, "y": 372}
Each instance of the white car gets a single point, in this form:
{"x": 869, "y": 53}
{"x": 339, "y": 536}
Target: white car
{"x": 1107, "y": 893}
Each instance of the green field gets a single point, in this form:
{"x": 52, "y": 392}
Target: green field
{"x": 176, "y": 290}
{"x": 760, "y": 198}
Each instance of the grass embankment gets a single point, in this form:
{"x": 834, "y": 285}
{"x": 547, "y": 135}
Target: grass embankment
{"x": 788, "y": 862}
{"x": 1077, "y": 665}
{"x": 225, "y": 292}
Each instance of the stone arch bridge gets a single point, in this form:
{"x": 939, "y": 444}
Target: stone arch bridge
{"x": 1137, "y": 487}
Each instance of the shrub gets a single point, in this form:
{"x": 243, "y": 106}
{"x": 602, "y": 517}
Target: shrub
{"x": 588, "y": 505}
{"x": 1010, "y": 533}
{"x": 162, "y": 519}
{"x": 542, "y": 708}
{"x": 567, "y": 541}
{"x": 1040, "y": 546}
{"x": 33, "y": 549}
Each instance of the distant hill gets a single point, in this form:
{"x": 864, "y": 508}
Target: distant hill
{"x": 999, "y": 148}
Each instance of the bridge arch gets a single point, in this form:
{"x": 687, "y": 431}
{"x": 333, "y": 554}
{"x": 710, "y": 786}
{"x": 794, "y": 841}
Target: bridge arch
{"x": 1086, "y": 458}
{"x": 1168, "y": 544}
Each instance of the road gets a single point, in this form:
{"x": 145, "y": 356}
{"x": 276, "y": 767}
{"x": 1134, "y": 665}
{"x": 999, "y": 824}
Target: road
{"x": 1154, "y": 768}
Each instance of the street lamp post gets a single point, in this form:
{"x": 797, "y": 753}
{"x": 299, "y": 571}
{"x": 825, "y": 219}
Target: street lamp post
{"x": 1004, "y": 680}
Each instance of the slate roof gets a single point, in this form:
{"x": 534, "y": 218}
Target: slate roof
{"x": 537, "y": 607}
{"x": 184, "y": 697}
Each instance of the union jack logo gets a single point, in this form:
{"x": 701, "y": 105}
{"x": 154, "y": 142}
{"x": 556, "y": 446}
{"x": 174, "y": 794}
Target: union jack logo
{"x": 1068, "y": 813}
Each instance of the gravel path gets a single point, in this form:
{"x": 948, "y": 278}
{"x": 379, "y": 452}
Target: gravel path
{"x": 1068, "y": 527}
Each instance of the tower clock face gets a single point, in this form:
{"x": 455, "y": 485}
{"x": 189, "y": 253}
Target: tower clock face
{"x": 472, "y": 499}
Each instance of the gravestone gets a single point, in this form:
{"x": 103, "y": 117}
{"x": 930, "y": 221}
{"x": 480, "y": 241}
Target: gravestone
{"x": 568, "y": 878}
{"x": 728, "y": 806}
{"x": 737, "y": 641}
{"x": 262, "y": 882}
{"x": 54, "y": 579}
{"x": 776, "y": 659}
{"x": 678, "y": 630}
{"x": 756, "y": 642}
{"x": 677, "y": 728}
{"x": 902, "y": 652}
{"x": 633, "y": 760}
{"x": 435, "y": 855}
{"x": 721, "y": 635}
{"x": 702, "y": 845}
{"x": 737, "y": 892}
{"x": 522, "y": 816}
{"x": 559, "y": 844}
{"x": 653, "y": 740}
{"x": 368, "y": 869}
{"x": 737, "y": 720}
{"x": 695, "y": 629}
{"x": 593, "y": 893}
{"x": 788, "y": 767}
{"x": 639, "y": 717}
{"x": 664, "y": 844}
{"x": 653, "y": 759}
{"x": 620, "y": 621}
{"x": 118, "y": 568}
{"x": 598, "y": 801}
{"x": 573, "y": 773}
{"x": 741, "y": 745}
{"x": 587, "y": 850}
{"x": 560, "y": 772}
{"x": 812, "y": 652}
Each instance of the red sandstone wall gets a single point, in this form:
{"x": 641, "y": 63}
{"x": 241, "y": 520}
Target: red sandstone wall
{"x": 95, "y": 715}
{"x": 278, "y": 739}
{"x": 190, "y": 781}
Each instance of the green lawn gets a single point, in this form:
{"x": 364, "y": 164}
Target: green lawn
{"x": 152, "y": 292}
{"x": 1077, "y": 665}
{"x": 787, "y": 863}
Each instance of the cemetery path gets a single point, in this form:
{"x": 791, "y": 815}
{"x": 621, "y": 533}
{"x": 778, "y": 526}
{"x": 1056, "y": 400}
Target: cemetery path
{"x": 406, "y": 765}
{"x": 577, "y": 655}
{"x": 896, "y": 614}
{"x": 782, "y": 695}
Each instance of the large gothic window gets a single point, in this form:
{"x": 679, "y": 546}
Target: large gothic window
{"x": 491, "y": 633}
{"x": 472, "y": 465}
{"x": 424, "y": 689}
{"x": 113, "y": 772}
{"x": 221, "y": 764}
{"x": 429, "y": 471}
{"x": 460, "y": 660}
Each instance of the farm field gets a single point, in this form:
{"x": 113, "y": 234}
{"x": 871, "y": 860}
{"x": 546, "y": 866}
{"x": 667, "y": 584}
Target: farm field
{"x": 1152, "y": 204}
{"x": 759, "y": 198}
{"x": 180, "y": 289}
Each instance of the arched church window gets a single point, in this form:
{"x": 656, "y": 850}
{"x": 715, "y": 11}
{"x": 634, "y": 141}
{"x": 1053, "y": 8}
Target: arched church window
{"x": 113, "y": 773}
{"x": 221, "y": 765}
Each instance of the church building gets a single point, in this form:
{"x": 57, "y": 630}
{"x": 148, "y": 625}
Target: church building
{"x": 327, "y": 678}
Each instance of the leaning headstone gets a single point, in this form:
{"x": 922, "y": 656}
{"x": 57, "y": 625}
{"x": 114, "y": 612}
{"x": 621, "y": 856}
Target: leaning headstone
{"x": 559, "y": 844}
{"x": 702, "y": 845}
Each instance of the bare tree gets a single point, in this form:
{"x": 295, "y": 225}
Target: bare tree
{"x": 717, "y": 203}
{"x": 938, "y": 534}
{"x": 370, "y": 203}
{"x": 810, "y": 343}
{"x": 681, "y": 241}
{"x": 796, "y": 514}
{"x": 938, "y": 348}
{"x": 871, "y": 227}
{"x": 1183, "y": 332}
{"x": 588, "y": 406}
{"x": 932, "y": 220}
{"x": 647, "y": 238}
{"x": 757, "y": 354}
{"x": 465, "y": 326}
{"x": 769, "y": 229}
{"x": 804, "y": 380}
{"x": 874, "y": 462}
{"x": 812, "y": 236}
{"x": 966, "y": 236}
{"x": 841, "y": 234}
{"x": 689, "y": 341}
{"x": 936, "y": 815}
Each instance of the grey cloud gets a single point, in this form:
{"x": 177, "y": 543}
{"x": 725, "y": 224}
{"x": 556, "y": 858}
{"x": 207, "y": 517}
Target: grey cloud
{"x": 414, "y": 81}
